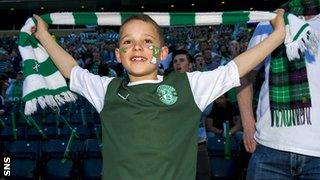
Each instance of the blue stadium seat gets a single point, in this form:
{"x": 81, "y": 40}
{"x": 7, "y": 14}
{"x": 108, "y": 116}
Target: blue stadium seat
{"x": 222, "y": 168}
{"x": 24, "y": 157}
{"x": 49, "y": 131}
{"x": 55, "y": 165}
{"x": 81, "y": 131}
{"x": 96, "y": 129}
{"x": 91, "y": 160}
{"x": 6, "y": 134}
{"x": 7, "y": 120}
{"x": 20, "y": 120}
{"x": 76, "y": 119}
{"x": 50, "y": 120}
{"x": 25, "y": 148}
{"x": 3, "y": 145}
{"x": 216, "y": 146}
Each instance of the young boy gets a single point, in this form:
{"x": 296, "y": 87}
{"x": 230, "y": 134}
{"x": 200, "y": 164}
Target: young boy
{"x": 150, "y": 123}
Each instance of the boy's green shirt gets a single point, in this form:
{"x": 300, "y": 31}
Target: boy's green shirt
{"x": 150, "y": 130}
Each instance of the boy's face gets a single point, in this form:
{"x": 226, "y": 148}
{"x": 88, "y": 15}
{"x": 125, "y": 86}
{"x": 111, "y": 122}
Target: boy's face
{"x": 181, "y": 63}
{"x": 137, "y": 45}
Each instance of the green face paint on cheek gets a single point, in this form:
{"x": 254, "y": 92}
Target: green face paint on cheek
{"x": 123, "y": 50}
{"x": 155, "y": 54}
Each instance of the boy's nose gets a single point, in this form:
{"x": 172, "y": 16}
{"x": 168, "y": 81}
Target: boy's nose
{"x": 137, "y": 47}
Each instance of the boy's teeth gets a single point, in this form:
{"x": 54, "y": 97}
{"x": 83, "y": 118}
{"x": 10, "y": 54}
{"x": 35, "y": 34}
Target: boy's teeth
{"x": 137, "y": 59}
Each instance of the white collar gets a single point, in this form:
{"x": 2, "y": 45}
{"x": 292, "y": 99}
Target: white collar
{"x": 158, "y": 80}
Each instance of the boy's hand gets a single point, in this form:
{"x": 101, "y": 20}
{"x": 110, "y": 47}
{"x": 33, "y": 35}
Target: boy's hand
{"x": 40, "y": 27}
{"x": 278, "y": 23}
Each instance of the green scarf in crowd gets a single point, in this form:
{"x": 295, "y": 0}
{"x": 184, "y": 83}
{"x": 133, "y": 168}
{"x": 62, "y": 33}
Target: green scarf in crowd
{"x": 44, "y": 84}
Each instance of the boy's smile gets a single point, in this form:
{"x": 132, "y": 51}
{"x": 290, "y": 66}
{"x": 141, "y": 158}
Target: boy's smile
{"x": 136, "y": 50}
{"x": 138, "y": 59}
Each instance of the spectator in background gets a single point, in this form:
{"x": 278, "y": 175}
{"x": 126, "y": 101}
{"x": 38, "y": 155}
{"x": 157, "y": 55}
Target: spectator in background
{"x": 108, "y": 55}
{"x": 199, "y": 62}
{"x": 105, "y": 70}
{"x": 2, "y": 106}
{"x": 79, "y": 58}
{"x": 234, "y": 49}
{"x": 5, "y": 64}
{"x": 14, "y": 91}
{"x": 96, "y": 61}
{"x": 182, "y": 63}
{"x": 203, "y": 45}
{"x": 3, "y": 85}
{"x": 16, "y": 61}
{"x": 98, "y": 67}
{"x": 223, "y": 51}
{"x": 211, "y": 62}
{"x": 222, "y": 111}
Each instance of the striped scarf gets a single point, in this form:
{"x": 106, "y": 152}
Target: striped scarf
{"x": 44, "y": 85}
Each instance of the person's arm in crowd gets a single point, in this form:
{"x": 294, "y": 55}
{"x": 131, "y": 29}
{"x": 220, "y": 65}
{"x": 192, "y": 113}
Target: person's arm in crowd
{"x": 254, "y": 56}
{"x": 245, "y": 91}
{"x": 211, "y": 128}
{"x": 64, "y": 61}
{"x": 245, "y": 99}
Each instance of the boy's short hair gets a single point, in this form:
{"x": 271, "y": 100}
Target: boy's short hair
{"x": 182, "y": 51}
{"x": 144, "y": 18}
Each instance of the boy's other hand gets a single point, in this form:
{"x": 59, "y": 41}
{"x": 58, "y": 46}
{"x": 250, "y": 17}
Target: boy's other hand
{"x": 278, "y": 23}
{"x": 40, "y": 27}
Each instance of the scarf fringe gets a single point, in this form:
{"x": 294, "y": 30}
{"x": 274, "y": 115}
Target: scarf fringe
{"x": 309, "y": 40}
{"x": 288, "y": 118}
{"x": 49, "y": 100}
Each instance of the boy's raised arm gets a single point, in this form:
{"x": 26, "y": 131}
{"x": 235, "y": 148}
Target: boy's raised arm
{"x": 64, "y": 61}
{"x": 252, "y": 57}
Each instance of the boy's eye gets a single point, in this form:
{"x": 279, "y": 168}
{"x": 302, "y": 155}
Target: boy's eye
{"x": 148, "y": 41}
{"x": 126, "y": 42}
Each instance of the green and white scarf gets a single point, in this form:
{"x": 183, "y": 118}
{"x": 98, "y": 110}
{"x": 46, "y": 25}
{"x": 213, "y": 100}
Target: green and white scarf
{"x": 289, "y": 92}
{"x": 44, "y": 84}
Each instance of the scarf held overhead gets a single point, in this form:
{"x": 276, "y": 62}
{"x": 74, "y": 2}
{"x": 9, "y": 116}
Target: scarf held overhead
{"x": 44, "y": 84}
{"x": 289, "y": 93}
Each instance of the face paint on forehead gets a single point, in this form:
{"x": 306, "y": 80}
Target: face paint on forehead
{"x": 155, "y": 54}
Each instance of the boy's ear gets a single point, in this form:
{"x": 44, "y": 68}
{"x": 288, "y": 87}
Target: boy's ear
{"x": 164, "y": 52}
{"x": 117, "y": 52}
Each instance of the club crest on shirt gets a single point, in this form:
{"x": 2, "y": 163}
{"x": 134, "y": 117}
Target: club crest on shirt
{"x": 167, "y": 94}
